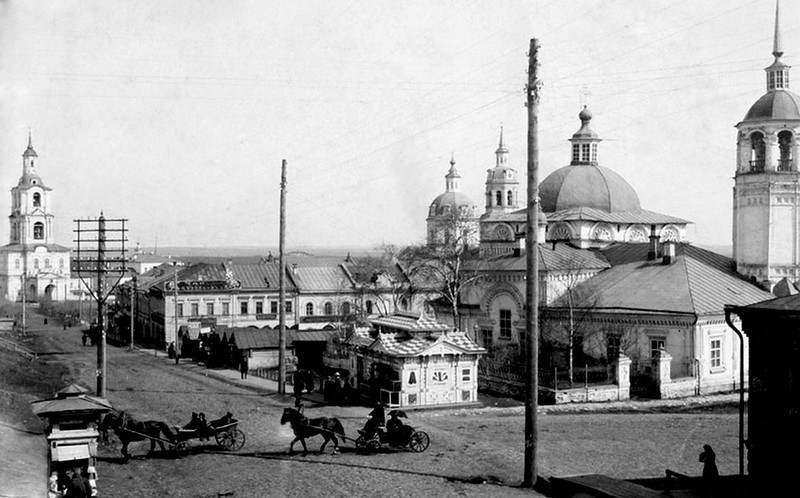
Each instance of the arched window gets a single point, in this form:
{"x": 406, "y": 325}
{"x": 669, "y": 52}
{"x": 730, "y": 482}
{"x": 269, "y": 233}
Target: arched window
{"x": 346, "y": 308}
{"x": 499, "y": 197}
{"x": 369, "y": 306}
{"x": 38, "y": 230}
{"x": 412, "y": 378}
{"x": 328, "y": 308}
{"x": 16, "y": 264}
{"x": 510, "y": 201}
{"x": 309, "y": 309}
{"x": 47, "y": 263}
{"x": 785, "y": 148}
{"x": 37, "y": 199}
{"x": 36, "y": 263}
{"x": 403, "y": 303}
{"x": 757, "y": 152}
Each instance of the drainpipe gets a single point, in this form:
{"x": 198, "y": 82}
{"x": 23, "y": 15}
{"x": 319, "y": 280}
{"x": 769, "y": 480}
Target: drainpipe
{"x": 728, "y": 320}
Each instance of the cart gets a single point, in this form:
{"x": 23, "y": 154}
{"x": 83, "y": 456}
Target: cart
{"x": 228, "y": 436}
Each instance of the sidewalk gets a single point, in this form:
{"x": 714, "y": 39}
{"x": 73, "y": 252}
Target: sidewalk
{"x": 489, "y": 403}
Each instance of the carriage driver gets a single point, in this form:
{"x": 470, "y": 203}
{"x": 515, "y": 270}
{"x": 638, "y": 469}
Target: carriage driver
{"x": 377, "y": 418}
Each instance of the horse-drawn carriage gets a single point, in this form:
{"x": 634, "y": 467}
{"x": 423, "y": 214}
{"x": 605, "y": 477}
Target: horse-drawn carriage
{"x": 224, "y": 430}
{"x": 394, "y": 434}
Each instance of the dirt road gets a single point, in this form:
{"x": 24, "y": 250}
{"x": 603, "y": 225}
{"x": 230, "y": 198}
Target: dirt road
{"x": 466, "y": 445}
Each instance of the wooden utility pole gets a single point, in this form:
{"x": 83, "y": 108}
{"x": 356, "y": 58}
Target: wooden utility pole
{"x": 532, "y": 272}
{"x": 282, "y": 289}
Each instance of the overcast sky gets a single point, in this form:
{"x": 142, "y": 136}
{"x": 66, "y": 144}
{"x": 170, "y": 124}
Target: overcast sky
{"x": 176, "y": 115}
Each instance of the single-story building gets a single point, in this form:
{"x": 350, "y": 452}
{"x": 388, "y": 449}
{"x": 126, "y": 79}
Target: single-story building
{"x": 409, "y": 359}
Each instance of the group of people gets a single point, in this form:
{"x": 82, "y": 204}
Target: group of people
{"x": 395, "y": 428}
{"x": 74, "y": 483}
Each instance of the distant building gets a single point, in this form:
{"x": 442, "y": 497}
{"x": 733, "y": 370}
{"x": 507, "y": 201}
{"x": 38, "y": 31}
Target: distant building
{"x": 32, "y": 263}
{"x": 452, "y": 216}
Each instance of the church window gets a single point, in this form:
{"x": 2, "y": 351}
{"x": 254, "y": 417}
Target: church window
{"x": 505, "y": 324}
{"x": 785, "y": 148}
{"x": 37, "y": 199}
{"x": 36, "y": 263}
{"x": 716, "y": 353}
{"x": 585, "y": 152}
{"x": 656, "y": 345}
{"x": 757, "y": 152}
{"x": 510, "y": 199}
{"x": 345, "y": 308}
{"x": 38, "y": 230}
{"x": 486, "y": 339}
{"x": 576, "y": 153}
{"x": 328, "y": 308}
{"x": 594, "y": 153}
{"x": 499, "y": 198}
{"x": 309, "y": 309}
{"x": 47, "y": 263}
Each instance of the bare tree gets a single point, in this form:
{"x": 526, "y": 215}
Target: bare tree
{"x": 448, "y": 267}
{"x": 381, "y": 280}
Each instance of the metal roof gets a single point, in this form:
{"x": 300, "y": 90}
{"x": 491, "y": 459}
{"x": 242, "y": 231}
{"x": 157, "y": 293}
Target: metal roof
{"x": 697, "y": 282}
{"x": 401, "y": 344}
{"x": 591, "y": 214}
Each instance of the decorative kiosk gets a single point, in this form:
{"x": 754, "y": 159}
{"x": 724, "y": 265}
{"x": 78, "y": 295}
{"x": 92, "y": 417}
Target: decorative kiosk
{"x": 71, "y": 438}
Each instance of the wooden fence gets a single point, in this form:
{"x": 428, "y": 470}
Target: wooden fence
{"x": 13, "y": 346}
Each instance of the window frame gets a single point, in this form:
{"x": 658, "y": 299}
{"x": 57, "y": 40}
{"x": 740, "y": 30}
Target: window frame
{"x": 505, "y": 323}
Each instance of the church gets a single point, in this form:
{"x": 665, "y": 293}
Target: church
{"x": 622, "y": 284}
{"x": 32, "y": 265}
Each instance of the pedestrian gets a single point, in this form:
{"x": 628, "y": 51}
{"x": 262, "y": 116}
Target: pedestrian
{"x": 298, "y": 388}
{"x": 244, "y": 365}
{"x": 83, "y": 339}
{"x": 171, "y": 350}
{"x": 709, "y": 459}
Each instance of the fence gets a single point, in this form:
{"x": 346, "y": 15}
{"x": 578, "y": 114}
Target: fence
{"x": 29, "y": 354}
{"x": 554, "y": 378}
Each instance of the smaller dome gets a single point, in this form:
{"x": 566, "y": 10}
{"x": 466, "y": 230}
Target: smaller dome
{"x": 585, "y": 114}
{"x": 777, "y": 104}
{"x": 450, "y": 202}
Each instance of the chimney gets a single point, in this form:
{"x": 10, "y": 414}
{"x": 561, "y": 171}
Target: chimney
{"x": 652, "y": 254}
{"x": 669, "y": 252}
{"x": 294, "y": 268}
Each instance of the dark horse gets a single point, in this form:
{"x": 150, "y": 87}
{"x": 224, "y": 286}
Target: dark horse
{"x": 304, "y": 427}
{"x": 129, "y": 430}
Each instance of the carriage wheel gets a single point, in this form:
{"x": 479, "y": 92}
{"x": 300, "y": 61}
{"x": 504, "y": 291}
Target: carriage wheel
{"x": 233, "y": 440}
{"x": 362, "y": 444}
{"x": 419, "y": 441}
{"x": 374, "y": 445}
{"x": 182, "y": 449}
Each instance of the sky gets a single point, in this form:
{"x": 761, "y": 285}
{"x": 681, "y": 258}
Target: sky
{"x": 177, "y": 115}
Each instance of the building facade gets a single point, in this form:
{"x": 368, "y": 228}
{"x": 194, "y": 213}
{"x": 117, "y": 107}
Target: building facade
{"x": 766, "y": 193}
{"x": 32, "y": 264}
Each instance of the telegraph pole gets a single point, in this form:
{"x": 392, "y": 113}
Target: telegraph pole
{"x": 532, "y": 271}
{"x": 133, "y": 306}
{"x": 94, "y": 256}
{"x": 282, "y": 289}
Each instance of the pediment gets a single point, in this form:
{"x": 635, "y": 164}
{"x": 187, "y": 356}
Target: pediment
{"x": 442, "y": 347}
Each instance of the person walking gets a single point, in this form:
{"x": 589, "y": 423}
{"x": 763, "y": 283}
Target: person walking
{"x": 244, "y": 365}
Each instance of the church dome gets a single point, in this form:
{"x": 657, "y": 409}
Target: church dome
{"x": 776, "y": 104}
{"x": 587, "y": 186}
{"x": 452, "y": 202}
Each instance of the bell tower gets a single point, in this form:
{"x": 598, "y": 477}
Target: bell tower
{"x": 766, "y": 193}
{"x": 502, "y": 185}
{"x": 30, "y": 219}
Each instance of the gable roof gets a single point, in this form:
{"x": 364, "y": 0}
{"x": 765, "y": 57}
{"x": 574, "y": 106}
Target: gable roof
{"x": 698, "y": 282}
{"x": 409, "y": 322}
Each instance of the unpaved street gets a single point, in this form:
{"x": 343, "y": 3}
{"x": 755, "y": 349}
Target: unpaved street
{"x": 466, "y": 445}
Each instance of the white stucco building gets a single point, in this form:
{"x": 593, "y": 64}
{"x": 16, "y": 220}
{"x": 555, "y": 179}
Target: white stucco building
{"x": 32, "y": 263}
{"x": 766, "y": 195}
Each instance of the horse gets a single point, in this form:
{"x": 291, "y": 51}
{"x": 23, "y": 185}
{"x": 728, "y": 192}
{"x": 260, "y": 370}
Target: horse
{"x": 304, "y": 427}
{"x": 129, "y": 430}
